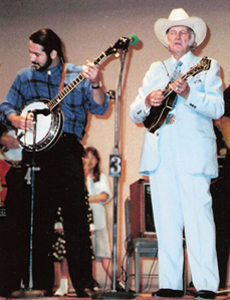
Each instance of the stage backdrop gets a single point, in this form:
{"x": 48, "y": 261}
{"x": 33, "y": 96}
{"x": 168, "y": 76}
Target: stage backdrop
{"x": 88, "y": 27}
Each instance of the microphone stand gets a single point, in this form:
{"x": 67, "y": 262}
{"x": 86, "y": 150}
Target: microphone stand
{"x": 115, "y": 171}
{"x": 30, "y": 293}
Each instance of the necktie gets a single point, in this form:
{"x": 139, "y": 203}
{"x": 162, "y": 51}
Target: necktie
{"x": 176, "y": 71}
{"x": 171, "y": 118}
{"x": 175, "y": 76}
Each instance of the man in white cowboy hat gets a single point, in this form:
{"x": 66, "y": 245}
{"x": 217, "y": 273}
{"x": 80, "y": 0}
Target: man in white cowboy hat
{"x": 179, "y": 154}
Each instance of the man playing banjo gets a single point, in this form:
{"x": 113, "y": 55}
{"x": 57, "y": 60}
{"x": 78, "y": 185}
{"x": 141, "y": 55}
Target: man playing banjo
{"x": 59, "y": 171}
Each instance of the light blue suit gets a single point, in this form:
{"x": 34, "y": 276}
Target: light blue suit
{"x": 180, "y": 159}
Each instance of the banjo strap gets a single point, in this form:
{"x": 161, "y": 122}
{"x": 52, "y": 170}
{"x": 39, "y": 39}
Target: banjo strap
{"x": 61, "y": 86}
{"x": 62, "y": 78}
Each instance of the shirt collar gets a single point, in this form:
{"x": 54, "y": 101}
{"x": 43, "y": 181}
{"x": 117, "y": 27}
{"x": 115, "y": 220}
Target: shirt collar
{"x": 54, "y": 71}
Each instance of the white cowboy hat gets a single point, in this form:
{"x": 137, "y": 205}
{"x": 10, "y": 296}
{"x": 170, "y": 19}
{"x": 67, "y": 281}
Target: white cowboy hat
{"x": 179, "y": 17}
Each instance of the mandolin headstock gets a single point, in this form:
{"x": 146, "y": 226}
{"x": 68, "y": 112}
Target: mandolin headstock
{"x": 203, "y": 65}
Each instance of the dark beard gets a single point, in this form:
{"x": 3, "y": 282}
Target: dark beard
{"x": 46, "y": 65}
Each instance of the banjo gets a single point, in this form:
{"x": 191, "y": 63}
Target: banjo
{"x": 12, "y": 156}
{"x": 50, "y": 121}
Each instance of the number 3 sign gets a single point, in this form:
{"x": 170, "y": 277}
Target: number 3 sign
{"x": 115, "y": 166}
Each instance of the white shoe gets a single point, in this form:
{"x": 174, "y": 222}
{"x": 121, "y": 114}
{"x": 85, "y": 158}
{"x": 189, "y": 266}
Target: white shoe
{"x": 63, "y": 288}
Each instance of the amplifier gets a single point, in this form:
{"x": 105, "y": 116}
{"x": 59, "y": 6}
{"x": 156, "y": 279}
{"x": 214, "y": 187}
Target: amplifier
{"x": 141, "y": 212}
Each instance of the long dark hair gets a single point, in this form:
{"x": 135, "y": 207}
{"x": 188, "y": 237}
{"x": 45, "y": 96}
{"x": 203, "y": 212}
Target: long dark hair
{"x": 96, "y": 170}
{"x": 49, "y": 40}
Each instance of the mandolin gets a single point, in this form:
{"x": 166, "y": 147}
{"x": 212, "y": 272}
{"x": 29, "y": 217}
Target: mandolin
{"x": 158, "y": 115}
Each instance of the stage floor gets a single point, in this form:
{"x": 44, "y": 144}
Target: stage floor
{"x": 220, "y": 296}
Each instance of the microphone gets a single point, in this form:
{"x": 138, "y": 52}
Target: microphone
{"x": 133, "y": 39}
{"x": 126, "y": 41}
{"x": 44, "y": 111}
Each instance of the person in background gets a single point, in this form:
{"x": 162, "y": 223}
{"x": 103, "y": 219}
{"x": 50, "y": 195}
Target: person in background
{"x": 60, "y": 256}
{"x": 6, "y": 140}
{"x": 99, "y": 194}
{"x": 179, "y": 155}
{"x": 59, "y": 174}
{"x": 220, "y": 190}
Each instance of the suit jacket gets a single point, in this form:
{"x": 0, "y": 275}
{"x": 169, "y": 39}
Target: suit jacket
{"x": 196, "y": 137}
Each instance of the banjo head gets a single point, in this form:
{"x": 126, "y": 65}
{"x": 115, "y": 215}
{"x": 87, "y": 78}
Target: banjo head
{"x": 48, "y": 128}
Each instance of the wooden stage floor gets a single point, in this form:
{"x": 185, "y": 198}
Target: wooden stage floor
{"x": 220, "y": 296}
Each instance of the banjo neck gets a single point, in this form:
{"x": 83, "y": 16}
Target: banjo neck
{"x": 122, "y": 43}
{"x": 71, "y": 86}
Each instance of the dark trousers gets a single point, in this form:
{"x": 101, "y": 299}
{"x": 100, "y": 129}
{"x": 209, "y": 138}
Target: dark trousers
{"x": 58, "y": 183}
{"x": 220, "y": 190}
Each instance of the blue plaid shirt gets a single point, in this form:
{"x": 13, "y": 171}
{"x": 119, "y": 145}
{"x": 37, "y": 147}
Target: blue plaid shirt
{"x": 31, "y": 85}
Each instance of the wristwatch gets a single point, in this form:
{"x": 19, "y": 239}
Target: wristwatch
{"x": 98, "y": 86}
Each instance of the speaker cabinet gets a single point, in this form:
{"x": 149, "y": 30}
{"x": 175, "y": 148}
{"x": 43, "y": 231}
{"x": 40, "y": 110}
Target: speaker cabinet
{"x": 141, "y": 212}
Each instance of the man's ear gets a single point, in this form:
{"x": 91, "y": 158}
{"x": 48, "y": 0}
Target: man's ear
{"x": 53, "y": 54}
